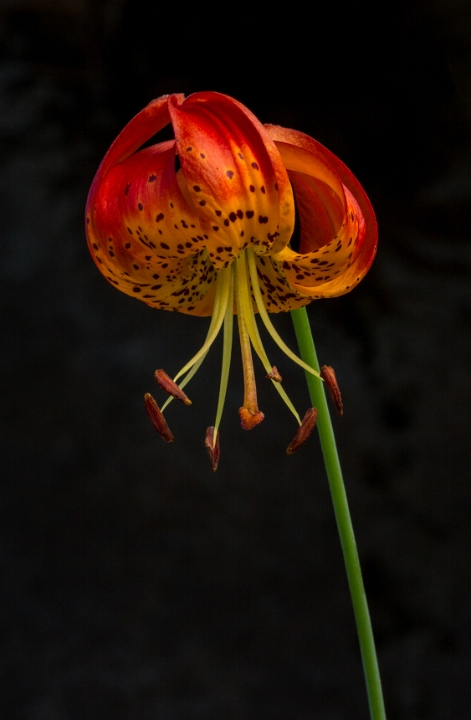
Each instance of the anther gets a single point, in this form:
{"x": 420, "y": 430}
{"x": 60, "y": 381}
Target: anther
{"x": 156, "y": 418}
{"x": 304, "y": 430}
{"x": 328, "y": 375}
{"x": 274, "y": 375}
{"x": 249, "y": 419}
{"x": 213, "y": 449}
{"x": 167, "y": 384}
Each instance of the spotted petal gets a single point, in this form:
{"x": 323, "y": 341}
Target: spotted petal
{"x": 337, "y": 223}
{"x": 234, "y": 174}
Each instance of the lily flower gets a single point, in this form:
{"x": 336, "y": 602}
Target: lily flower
{"x": 203, "y": 224}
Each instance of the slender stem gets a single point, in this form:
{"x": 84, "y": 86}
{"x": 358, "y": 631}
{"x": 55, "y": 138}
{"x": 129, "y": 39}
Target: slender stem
{"x": 342, "y": 514}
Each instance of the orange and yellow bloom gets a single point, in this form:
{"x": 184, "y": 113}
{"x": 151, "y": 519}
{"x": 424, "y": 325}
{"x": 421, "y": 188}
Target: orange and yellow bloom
{"x": 203, "y": 224}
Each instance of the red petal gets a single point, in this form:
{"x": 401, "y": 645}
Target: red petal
{"x": 139, "y": 203}
{"x": 235, "y": 177}
{"x": 144, "y": 236}
{"x": 325, "y": 267}
{"x": 141, "y": 128}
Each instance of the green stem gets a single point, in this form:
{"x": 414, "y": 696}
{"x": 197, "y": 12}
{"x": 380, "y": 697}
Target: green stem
{"x": 342, "y": 514}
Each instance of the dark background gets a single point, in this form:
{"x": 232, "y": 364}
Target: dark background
{"x": 135, "y": 583}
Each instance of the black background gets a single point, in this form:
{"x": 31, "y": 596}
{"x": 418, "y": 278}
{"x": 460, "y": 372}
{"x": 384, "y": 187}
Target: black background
{"x": 135, "y": 583}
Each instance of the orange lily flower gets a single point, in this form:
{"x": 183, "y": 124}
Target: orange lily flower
{"x": 203, "y": 224}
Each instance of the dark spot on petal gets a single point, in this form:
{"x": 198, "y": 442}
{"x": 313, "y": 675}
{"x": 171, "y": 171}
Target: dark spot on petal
{"x": 140, "y": 206}
{"x": 255, "y": 166}
{"x": 152, "y": 178}
{"x": 262, "y": 219}
{"x": 252, "y": 188}
{"x": 164, "y": 246}
{"x": 136, "y": 289}
{"x": 250, "y": 214}
{"x": 230, "y": 174}
{"x": 202, "y": 203}
{"x": 196, "y": 188}
{"x": 232, "y": 217}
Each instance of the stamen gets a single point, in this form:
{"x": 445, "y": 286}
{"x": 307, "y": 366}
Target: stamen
{"x": 156, "y": 418}
{"x": 246, "y": 305}
{"x": 222, "y": 290}
{"x": 167, "y": 384}
{"x": 250, "y": 415}
{"x": 265, "y": 318}
{"x": 212, "y": 445}
{"x": 305, "y": 429}
{"x": 328, "y": 375}
{"x": 220, "y": 302}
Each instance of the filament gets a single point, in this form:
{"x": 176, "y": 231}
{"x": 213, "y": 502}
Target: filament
{"x": 220, "y": 304}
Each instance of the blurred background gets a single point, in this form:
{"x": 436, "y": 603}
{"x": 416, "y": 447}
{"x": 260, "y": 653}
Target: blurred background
{"x": 135, "y": 583}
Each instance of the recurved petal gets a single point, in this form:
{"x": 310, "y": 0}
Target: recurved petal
{"x": 234, "y": 174}
{"x": 301, "y": 140}
{"x": 327, "y": 264}
{"x": 277, "y": 293}
{"x": 145, "y": 238}
{"x": 185, "y": 284}
{"x": 141, "y": 128}
{"x": 140, "y": 210}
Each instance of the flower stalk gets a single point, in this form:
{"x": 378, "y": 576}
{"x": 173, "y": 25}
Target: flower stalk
{"x": 342, "y": 515}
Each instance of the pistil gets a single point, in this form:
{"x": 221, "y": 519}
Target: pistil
{"x": 250, "y": 415}
{"x": 246, "y": 308}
